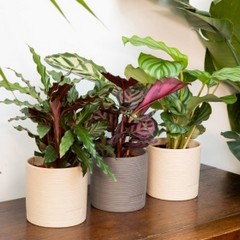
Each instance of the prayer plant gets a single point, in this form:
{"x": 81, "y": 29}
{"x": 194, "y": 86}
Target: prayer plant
{"x": 130, "y": 126}
{"x": 64, "y": 135}
{"x": 182, "y": 112}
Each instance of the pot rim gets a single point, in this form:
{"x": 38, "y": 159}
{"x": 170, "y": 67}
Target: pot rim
{"x": 30, "y": 163}
{"x": 141, "y": 150}
{"x": 194, "y": 144}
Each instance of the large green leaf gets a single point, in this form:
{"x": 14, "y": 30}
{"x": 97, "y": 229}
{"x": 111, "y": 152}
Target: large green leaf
{"x": 218, "y": 29}
{"x": 158, "y": 45}
{"x": 218, "y": 10}
{"x": 159, "y": 68}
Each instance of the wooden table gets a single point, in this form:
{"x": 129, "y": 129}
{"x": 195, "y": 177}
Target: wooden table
{"x": 215, "y": 214}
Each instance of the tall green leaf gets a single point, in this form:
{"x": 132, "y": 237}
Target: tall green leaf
{"x": 45, "y": 79}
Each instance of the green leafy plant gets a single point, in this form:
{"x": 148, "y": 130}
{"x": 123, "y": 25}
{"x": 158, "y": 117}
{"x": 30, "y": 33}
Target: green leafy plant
{"x": 65, "y": 136}
{"x": 218, "y": 30}
{"x": 130, "y": 126}
{"x": 182, "y": 112}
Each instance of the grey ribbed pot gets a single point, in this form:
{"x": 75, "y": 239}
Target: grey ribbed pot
{"x": 128, "y": 193}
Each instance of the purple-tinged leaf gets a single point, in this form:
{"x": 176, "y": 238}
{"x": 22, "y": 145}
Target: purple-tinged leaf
{"x": 131, "y": 97}
{"x": 120, "y": 82}
{"x": 159, "y": 90}
{"x": 144, "y": 129}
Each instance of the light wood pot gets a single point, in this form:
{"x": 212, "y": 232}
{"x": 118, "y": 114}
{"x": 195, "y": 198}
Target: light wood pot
{"x": 128, "y": 193}
{"x": 173, "y": 174}
{"x": 55, "y": 197}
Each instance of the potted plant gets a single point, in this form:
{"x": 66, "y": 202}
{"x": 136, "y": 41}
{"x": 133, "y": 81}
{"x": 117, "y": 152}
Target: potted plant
{"x": 218, "y": 31}
{"x": 182, "y": 114}
{"x": 57, "y": 175}
{"x": 130, "y": 129}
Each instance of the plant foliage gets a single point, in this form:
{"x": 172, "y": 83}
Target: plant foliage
{"x": 219, "y": 30}
{"x": 182, "y": 112}
{"x": 64, "y": 134}
{"x": 130, "y": 126}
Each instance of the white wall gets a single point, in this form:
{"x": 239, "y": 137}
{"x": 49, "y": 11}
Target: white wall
{"x": 38, "y": 24}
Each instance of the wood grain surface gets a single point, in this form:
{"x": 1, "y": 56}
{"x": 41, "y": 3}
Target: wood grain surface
{"x": 214, "y": 214}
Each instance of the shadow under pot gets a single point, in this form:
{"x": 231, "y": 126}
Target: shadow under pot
{"x": 128, "y": 193}
{"x": 173, "y": 174}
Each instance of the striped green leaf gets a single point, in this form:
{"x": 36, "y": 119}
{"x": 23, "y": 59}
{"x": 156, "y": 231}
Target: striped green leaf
{"x": 76, "y": 64}
{"x": 159, "y": 68}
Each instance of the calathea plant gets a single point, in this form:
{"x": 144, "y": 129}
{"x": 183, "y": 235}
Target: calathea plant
{"x": 182, "y": 112}
{"x": 130, "y": 126}
{"x": 65, "y": 136}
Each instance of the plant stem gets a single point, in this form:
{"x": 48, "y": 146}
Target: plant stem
{"x": 189, "y": 137}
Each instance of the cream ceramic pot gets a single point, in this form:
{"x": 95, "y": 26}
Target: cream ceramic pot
{"x": 173, "y": 174}
{"x": 55, "y": 197}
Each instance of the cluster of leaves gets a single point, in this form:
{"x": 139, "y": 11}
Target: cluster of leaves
{"x": 182, "y": 112}
{"x": 129, "y": 124}
{"x": 219, "y": 31}
{"x": 65, "y": 136}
